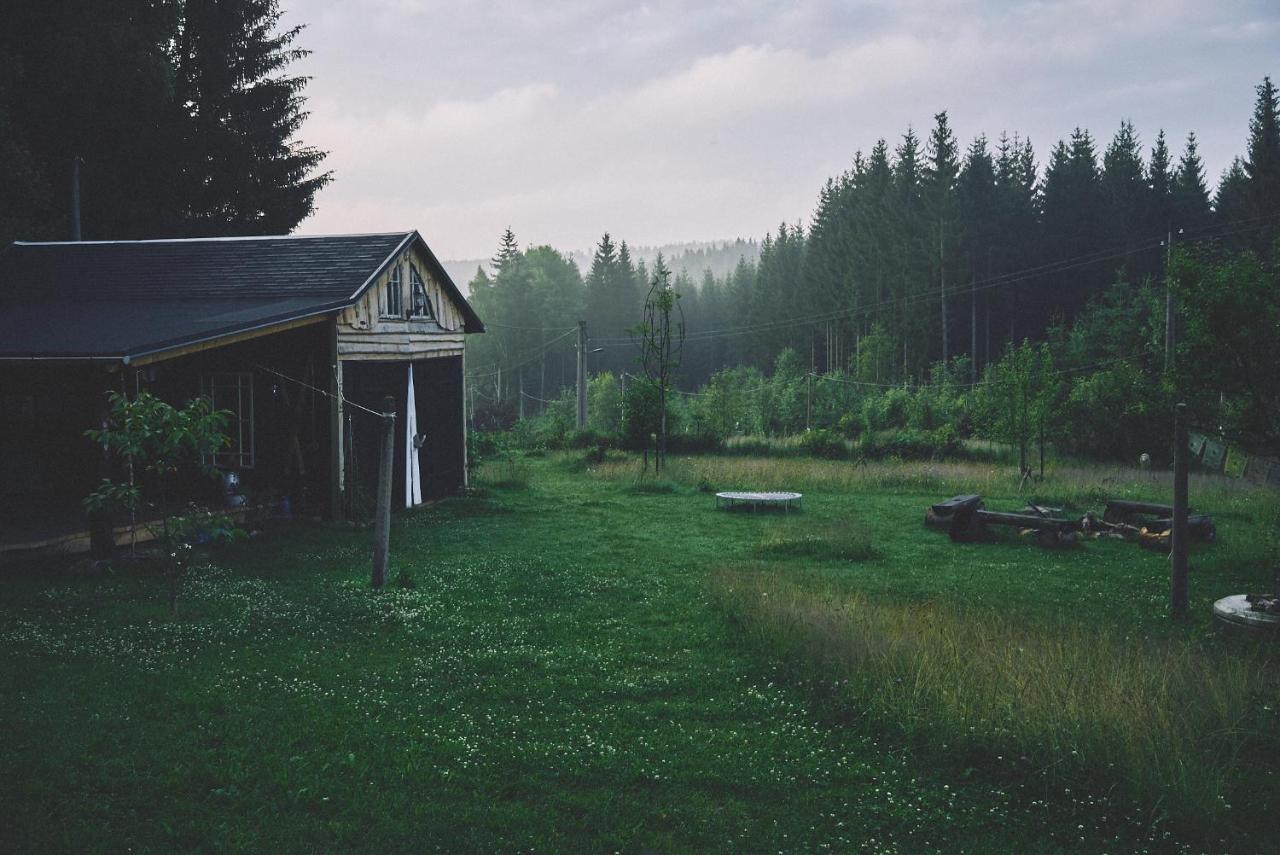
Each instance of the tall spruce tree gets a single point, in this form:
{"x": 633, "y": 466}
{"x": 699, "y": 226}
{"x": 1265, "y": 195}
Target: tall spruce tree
{"x": 508, "y": 250}
{"x": 1190, "y": 195}
{"x": 978, "y": 204}
{"x": 245, "y": 170}
{"x": 1125, "y": 193}
{"x": 1262, "y": 164}
{"x": 1160, "y": 187}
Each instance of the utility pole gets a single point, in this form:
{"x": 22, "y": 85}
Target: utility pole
{"x": 973, "y": 329}
{"x": 382, "y": 521}
{"x": 1168, "y": 305}
{"x": 808, "y": 403}
{"x": 942, "y": 278}
{"x": 582, "y": 375}
{"x": 1178, "y": 534}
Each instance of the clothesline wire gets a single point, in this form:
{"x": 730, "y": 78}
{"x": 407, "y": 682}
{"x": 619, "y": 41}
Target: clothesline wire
{"x": 342, "y": 399}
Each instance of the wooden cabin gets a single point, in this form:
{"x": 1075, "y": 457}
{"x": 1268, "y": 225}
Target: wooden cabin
{"x": 298, "y": 338}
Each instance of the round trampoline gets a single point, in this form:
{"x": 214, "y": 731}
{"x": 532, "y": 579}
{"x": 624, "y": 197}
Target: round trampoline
{"x": 783, "y": 500}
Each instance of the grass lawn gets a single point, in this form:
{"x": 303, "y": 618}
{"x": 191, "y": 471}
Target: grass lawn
{"x": 566, "y": 676}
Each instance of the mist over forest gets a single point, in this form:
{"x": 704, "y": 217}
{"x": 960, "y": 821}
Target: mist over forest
{"x": 929, "y": 257}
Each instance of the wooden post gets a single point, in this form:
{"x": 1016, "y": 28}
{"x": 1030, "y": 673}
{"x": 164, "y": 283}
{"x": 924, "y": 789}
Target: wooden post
{"x": 582, "y": 375}
{"x": 337, "y": 437}
{"x": 382, "y": 522}
{"x": 808, "y": 403}
{"x": 1178, "y": 536}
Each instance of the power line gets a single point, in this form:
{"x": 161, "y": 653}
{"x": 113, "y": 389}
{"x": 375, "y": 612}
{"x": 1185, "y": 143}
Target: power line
{"x": 534, "y": 358}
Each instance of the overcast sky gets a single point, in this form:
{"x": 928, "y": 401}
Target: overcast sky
{"x": 678, "y": 121}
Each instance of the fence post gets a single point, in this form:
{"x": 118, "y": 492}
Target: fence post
{"x": 382, "y": 520}
{"x": 1178, "y": 536}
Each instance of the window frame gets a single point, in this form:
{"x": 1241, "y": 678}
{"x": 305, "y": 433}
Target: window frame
{"x": 417, "y": 284}
{"x": 394, "y": 287}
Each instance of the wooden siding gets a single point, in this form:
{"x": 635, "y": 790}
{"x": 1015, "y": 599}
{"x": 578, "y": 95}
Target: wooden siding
{"x": 364, "y": 333}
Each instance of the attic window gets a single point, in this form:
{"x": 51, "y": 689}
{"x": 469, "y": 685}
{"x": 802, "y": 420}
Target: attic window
{"x": 421, "y": 302}
{"x": 393, "y": 299}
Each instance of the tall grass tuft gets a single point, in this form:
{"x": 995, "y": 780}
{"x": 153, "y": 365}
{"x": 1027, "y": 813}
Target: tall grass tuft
{"x": 1176, "y": 726}
{"x": 509, "y": 474}
{"x": 1075, "y": 486}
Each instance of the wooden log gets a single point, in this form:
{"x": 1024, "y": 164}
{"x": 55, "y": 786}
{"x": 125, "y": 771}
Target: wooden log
{"x": 950, "y": 506}
{"x": 1122, "y": 510}
{"x": 1200, "y": 527}
{"x": 1027, "y": 521}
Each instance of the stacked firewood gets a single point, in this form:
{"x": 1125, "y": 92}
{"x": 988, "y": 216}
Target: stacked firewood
{"x": 966, "y": 520}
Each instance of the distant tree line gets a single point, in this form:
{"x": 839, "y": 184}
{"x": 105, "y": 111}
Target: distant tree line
{"x": 917, "y": 255}
{"x": 181, "y": 114}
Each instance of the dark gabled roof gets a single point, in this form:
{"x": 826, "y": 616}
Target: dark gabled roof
{"x": 125, "y": 299}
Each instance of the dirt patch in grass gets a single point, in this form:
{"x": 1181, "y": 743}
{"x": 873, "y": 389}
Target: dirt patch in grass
{"x": 831, "y": 542}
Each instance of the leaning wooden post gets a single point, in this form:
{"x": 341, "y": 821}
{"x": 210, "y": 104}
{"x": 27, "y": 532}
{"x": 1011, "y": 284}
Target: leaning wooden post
{"x": 1178, "y": 536}
{"x": 382, "y": 521}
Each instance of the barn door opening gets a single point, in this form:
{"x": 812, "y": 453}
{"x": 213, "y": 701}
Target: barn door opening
{"x": 441, "y": 459}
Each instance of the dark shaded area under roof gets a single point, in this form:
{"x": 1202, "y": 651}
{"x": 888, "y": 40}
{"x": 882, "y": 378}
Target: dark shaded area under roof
{"x": 129, "y": 298}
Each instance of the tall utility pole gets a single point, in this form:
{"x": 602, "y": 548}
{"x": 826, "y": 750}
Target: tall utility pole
{"x": 1168, "y": 305}
{"x": 582, "y": 375}
{"x": 942, "y": 277}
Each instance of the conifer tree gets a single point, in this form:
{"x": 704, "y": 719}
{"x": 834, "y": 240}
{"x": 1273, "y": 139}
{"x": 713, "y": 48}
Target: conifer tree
{"x": 1190, "y": 194}
{"x": 941, "y": 170}
{"x": 1231, "y": 201}
{"x": 508, "y": 249}
{"x": 1160, "y": 186}
{"x": 1262, "y": 163}
{"x": 245, "y": 171}
{"x": 1125, "y": 192}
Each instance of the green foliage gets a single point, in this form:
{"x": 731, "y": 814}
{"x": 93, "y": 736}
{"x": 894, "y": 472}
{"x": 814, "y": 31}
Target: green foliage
{"x": 155, "y": 439}
{"x": 1116, "y": 413}
{"x": 1228, "y": 341}
{"x": 1018, "y": 397}
{"x": 604, "y": 404}
{"x": 824, "y": 444}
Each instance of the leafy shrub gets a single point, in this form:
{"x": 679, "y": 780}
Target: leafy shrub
{"x": 911, "y": 444}
{"x": 824, "y": 444}
{"x": 579, "y": 439}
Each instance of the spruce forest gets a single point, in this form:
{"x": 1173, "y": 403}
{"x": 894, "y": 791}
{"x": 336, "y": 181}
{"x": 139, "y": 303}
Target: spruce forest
{"x": 931, "y": 269}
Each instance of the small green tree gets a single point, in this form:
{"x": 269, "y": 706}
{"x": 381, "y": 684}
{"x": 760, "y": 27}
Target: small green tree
{"x": 1018, "y": 396}
{"x": 661, "y": 339}
{"x": 155, "y": 440}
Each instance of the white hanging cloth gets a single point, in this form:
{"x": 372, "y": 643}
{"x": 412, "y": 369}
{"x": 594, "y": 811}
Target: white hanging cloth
{"x": 412, "y": 470}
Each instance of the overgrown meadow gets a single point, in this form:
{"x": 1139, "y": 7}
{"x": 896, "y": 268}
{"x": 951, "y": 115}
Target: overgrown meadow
{"x": 591, "y": 659}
